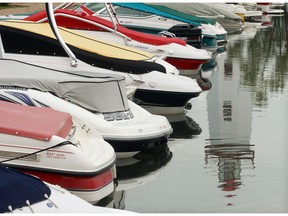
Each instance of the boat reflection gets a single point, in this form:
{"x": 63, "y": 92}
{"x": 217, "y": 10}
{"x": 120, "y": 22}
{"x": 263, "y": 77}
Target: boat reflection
{"x": 136, "y": 171}
{"x": 211, "y": 64}
{"x": 249, "y": 32}
{"x": 264, "y": 20}
{"x": 183, "y": 126}
{"x": 230, "y": 119}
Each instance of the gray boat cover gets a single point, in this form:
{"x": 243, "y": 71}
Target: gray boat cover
{"x": 202, "y": 9}
{"x": 92, "y": 91}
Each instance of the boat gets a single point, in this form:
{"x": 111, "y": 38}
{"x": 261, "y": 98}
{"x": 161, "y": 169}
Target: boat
{"x": 160, "y": 88}
{"x": 208, "y": 26}
{"x": 24, "y": 193}
{"x": 190, "y": 33}
{"x": 239, "y": 10}
{"x": 231, "y": 22}
{"x": 263, "y": 8}
{"x": 97, "y": 99}
{"x": 213, "y": 35}
{"x": 187, "y": 59}
{"x": 58, "y": 148}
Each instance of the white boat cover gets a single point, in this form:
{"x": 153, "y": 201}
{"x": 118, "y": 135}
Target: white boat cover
{"x": 97, "y": 93}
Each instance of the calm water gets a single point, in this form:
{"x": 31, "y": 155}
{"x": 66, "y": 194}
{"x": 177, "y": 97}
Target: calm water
{"x": 230, "y": 152}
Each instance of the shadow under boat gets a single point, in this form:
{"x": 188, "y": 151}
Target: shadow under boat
{"x": 183, "y": 126}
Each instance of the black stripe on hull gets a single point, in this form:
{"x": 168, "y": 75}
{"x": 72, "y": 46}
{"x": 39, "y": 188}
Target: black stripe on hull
{"x": 152, "y": 145}
{"x": 163, "y": 98}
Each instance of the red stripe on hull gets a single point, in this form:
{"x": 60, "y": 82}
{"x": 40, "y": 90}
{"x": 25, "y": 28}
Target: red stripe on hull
{"x": 74, "y": 182}
{"x": 192, "y": 64}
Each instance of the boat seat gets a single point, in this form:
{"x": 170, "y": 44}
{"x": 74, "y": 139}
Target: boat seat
{"x": 33, "y": 122}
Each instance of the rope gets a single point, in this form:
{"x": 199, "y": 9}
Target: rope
{"x": 45, "y": 149}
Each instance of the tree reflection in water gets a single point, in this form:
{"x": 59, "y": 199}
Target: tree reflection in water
{"x": 264, "y": 59}
{"x": 249, "y": 70}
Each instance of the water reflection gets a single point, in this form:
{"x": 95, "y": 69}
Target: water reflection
{"x": 230, "y": 117}
{"x": 245, "y": 77}
{"x": 230, "y": 160}
{"x": 263, "y": 59}
{"x": 136, "y": 171}
{"x": 254, "y": 65}
{"x": 183, "y": 126}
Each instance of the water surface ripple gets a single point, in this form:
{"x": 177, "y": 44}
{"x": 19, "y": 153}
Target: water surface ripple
{"x": 230, "y": 151}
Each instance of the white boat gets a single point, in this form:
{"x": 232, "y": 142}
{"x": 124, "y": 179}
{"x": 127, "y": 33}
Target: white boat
{"x": 56, "y": 147}
{"x": 145, "y": 20}
{"x": 187, "y": 59}
{"x": 160, "y": 88}
{"x": 263, "y": 8}
{"x": 99, "y": 100}
{"x": 23, "y": 193}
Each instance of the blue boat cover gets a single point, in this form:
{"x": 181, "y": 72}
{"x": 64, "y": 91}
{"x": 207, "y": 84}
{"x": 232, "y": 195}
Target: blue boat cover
{"x": 16, "y": 188}
{"x": 167, "y": 13}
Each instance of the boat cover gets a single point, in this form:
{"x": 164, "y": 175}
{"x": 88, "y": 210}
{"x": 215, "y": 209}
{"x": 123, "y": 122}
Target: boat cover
{"x": 94, "y": 92}
{"x": 19, "y": 35}
{"x": 203, "y": 9}
{"x": 16, "y": 188}
{"x": 187, "y": 16}
{"x": 165, "y": 12}
{"x": 33, "y": 122}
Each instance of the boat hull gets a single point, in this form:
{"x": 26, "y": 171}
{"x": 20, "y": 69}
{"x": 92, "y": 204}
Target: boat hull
{"x": 90, "y": 187}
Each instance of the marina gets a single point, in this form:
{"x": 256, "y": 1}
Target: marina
{"x": 226, "y": 153}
